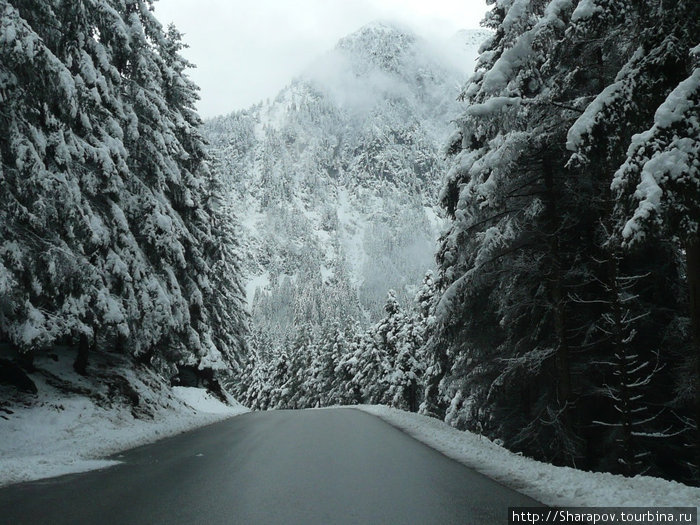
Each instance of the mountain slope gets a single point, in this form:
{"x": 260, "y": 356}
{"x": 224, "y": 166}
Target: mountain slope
{"x": 338, "y": 179}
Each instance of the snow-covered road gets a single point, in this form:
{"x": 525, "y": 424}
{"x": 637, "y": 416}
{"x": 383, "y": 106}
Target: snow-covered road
{"x": 312, "y": 466}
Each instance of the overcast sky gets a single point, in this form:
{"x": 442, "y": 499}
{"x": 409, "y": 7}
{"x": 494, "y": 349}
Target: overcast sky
{"x": 247, "y": 50}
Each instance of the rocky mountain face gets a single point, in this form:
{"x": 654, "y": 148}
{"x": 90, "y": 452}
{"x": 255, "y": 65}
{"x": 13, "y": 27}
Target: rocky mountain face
{"x": 336, "y": 179}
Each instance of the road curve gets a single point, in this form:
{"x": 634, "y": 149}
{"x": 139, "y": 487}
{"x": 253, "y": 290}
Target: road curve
{"x": 287, "y": 467}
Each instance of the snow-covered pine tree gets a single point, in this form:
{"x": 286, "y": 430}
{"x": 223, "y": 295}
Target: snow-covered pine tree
{"x": 55, "y": 134}
{"x": 640, "y": 53}
{"x": 280, "y": 373}
{"x": 432, "y": 353}
{"x": 107, "y": 223}
{"x": 253, "y": 387}
{"x": 372, "y": 370}
{"x": 407, "y": 375}
{"x": 227, "y": 317}
{"x": 627, "y": 376}
{"x": 659, "y": 190}
{"x": 525, "y": 265}
{"x": 295, "y": 391}
{"x": 332, "y": 350}
{"x": 346, "y": 388}
{"x": 303, "y": 385}
{"x": 506, "y": 262}
{"x": 386, "y": 335}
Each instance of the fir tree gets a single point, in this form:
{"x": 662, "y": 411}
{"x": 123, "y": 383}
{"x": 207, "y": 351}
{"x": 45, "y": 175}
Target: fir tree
{"x": 109, "y": 225}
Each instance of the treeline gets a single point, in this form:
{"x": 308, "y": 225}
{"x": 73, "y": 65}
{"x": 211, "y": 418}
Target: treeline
{"x": 340, "y": 364}
{"x": 114, "y": 234}
{"x": 567, "y": 314}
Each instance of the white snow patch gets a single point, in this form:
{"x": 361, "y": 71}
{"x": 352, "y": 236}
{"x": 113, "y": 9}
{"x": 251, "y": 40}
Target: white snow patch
{"x": 326, "y": 273}
{"x": 258, "y": 282}
{"x": 200, "y": 400}
{"x": 498, "y": 77}
{"x": 492, "y": 105}
{"x": 551, "y": 485}
{"x": 353, "y": 226}
{"x": 516, "y": 12}
{"x": 585, "y": 10}
{"x": 588, "y": 119}
{"x": 673, "y": 162}
{"x": 679, "y": 102}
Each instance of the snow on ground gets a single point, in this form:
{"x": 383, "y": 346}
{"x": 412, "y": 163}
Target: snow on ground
{"x": 352, "y": 226}
{"x": 73, "y": 422}
{"x": 556, "y": 486}
{"x": 255, "y": 283}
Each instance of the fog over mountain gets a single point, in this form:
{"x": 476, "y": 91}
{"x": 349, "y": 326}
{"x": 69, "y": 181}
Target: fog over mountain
{"x": 336, "y": 179}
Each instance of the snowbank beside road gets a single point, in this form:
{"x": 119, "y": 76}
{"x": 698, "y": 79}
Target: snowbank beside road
{"x": 74, "y": 422}
{"x": 556, "y": 486}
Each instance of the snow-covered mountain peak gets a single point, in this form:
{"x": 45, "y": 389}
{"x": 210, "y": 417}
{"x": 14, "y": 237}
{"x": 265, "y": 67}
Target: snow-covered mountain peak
{"x": 382, "y": 64}
{"x": 338, "y": 175}
{"x": 381, "y": 44}
{"x": 377, "y": 34}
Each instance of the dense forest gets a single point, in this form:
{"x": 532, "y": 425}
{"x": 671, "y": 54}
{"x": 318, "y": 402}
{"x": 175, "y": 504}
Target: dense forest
{"x": 561, "y": 318}
{"x": 113, "y": 235}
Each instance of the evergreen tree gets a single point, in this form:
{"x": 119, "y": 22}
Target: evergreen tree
{"x": 528, "y": 265}
{"x": 109, "y": 230}
{"x": 649, "y": 43}
{"x": 507, "y": 261}
{"x": 659, "y": 183}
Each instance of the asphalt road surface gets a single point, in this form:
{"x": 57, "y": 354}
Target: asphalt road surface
{"x": 307, "y": 467}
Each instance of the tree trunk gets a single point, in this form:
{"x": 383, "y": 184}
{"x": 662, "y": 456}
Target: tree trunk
{"x": 692, "y": 253}
{"x": 81, "y": 361}
{"x": 120, "y": 344}
{"x": 412, "y": 396}
{"x": 626, "y": 441}
{"x": 563, "y": 366}
{"x": 432, "y": 404}
{"x": 26, "y": 360}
